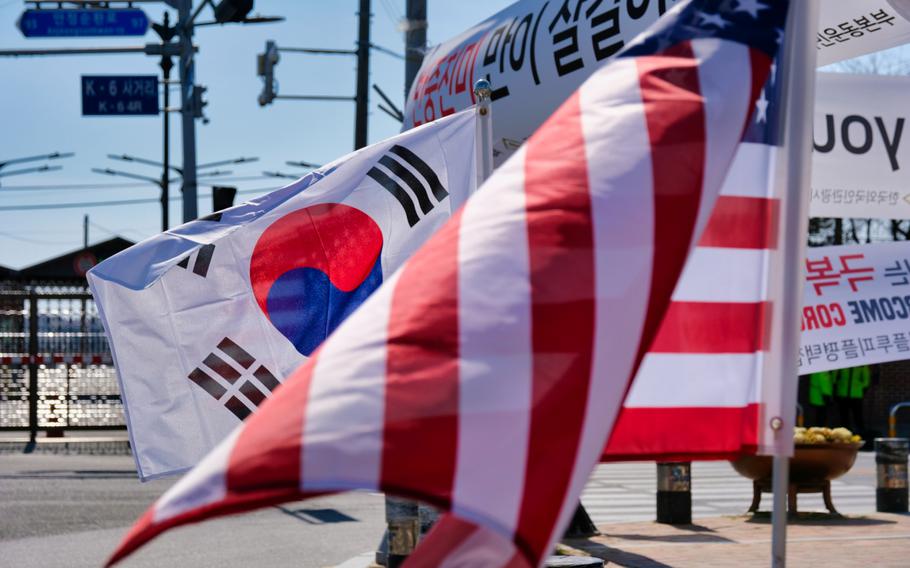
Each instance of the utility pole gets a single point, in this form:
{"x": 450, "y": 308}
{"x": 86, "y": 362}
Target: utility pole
{"x": 166, "y": 33}
{"x": 85, "y": 231}
{"x": 415, "y": 40}
{"x": 363, "y": 76}
{"x": 187, "y": 110}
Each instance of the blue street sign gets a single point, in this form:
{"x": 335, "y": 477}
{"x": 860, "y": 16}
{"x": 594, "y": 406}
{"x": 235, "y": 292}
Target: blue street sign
{"x": 83, "y": 23}
{"x": 112, "y": 95}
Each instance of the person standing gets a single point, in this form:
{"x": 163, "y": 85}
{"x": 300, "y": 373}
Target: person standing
{"x": 850, "y": 388}
{"x": 821, "y": 392}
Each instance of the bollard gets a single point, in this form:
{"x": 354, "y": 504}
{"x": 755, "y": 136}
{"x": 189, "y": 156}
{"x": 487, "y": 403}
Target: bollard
{"x": 674, "y": 493}
{"x": 403, "y": 521}
{"x": 891, "y": 486}
{"x": 428, "y": 516}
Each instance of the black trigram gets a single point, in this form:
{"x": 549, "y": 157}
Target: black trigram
{"x": 227, "y": 376}
{"x": 394, "y": 163}
{"x": 201, "y": 262}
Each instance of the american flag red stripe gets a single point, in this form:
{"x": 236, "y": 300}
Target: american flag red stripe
{"x": 711, "y": 327}
{"x": 496, "y": 360}
{"x": 740, "y": 221}
{"x": 423, "y": 347}
{"x": 556, "y": 178}
{"x": 731, "y": 431}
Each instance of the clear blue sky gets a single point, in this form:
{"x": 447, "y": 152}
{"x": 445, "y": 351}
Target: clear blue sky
{"x": 41, "y": 113}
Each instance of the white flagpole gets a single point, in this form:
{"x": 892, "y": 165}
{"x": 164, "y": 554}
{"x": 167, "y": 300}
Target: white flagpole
{"x": 483, "y": 91}
{"x": 798, "y": 101}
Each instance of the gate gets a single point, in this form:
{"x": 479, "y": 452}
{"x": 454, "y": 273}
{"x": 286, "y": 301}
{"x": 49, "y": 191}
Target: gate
{"x": 56, "y": 371}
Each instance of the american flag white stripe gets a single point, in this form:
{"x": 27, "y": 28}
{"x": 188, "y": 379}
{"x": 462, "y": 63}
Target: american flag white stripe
{"x": 200, "y": 487}
{"x": 695, "y": 380}
{"x": 346, "y": 394}
{"x": 494, "y": 412}
{"x": 722, "y": 275}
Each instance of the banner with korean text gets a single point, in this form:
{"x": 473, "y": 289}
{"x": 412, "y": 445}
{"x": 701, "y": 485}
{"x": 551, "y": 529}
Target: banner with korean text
{"x": 535, "y": 53}
{"x": 856, "y": 306}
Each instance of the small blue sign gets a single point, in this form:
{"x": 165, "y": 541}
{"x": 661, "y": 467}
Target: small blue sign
{"x": 115, "y": 95}
{"x": 84, "y": 22}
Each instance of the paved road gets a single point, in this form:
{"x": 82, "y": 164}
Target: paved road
{"x": 71, "y": 511}
{"x": 626, "y": 492}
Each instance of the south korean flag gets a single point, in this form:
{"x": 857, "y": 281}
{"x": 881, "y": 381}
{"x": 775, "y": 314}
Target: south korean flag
{"x": 206, "y": 320}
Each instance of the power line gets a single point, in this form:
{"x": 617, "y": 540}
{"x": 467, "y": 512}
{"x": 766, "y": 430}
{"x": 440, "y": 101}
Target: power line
{"x": 33, "y": 241}
{"x": 391, "y": 13}
{"x": 113, "y": 203}
{"x": 96, "y": 186}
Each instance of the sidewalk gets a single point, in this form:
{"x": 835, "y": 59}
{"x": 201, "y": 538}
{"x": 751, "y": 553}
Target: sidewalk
{"x": 878, "y": 539}
{"x": 84, "y": 442}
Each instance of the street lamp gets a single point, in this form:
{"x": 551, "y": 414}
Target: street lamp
{"x": 164, "y": 182}
{"x": 302, "y": 164}
{"x": 43, "y": 168}
{"x": 129, "y": 158}
{"x": 280, "y": 175}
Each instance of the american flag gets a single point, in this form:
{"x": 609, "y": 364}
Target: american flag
{"x": 700, "y": 392}
{"x": 485, "y": 376}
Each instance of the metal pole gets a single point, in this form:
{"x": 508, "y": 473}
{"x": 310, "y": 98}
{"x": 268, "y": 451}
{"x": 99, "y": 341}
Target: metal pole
{"x": 483, "y": 91}
{"x": 187, "y": 80}
{"x": 85, "y": 231}
{"x": 798, "y": 74}
{"x": 363, "y": 75}
{"x": 32, "y": 368}
{"x": 780, "y": 484}
{"x": 166, "y": 65}
{"x": 415, "y": 40}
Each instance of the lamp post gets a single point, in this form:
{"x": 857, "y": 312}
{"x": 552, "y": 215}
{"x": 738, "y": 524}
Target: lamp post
{"x": 164, "y": 182}
{"x": 36, "y": 169}
{"x": 161, "y": 183}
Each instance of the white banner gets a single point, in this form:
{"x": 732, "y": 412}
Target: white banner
{"x": 861, "y": 163}
{"x": 848, "y": 29}
{"x": 856, "y": 306}
{"x": 537, "y": 52}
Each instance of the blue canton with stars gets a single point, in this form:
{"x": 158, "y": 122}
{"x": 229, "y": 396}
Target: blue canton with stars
{"x": 758, "y": 24}
{"x": 764, "y": 125}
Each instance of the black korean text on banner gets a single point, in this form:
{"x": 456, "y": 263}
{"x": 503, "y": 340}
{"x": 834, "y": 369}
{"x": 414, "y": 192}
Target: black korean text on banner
{"x": 861, "y": 162}
{"x": 535, "y": 53}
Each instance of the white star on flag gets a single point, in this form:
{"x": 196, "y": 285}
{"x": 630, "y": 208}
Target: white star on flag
{"x": 750, "y": 6}
{"x": 761, "y": 106}
{"x": 713, "y": 20}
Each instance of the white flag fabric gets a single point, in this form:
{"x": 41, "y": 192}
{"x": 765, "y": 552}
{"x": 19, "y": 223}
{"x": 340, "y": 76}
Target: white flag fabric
{"x": 205, "y": 321}
{"x": 485, "y": 375}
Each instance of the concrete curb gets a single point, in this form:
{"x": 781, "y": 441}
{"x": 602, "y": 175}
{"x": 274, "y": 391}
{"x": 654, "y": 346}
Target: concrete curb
{"x": 108, "y": 446}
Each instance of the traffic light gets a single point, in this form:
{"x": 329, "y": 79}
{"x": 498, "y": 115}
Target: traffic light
{"x": 265, "y": 68}
{"x": 223, "y": 197}
{"x": 232, "y": 10}
{"x": 198, "y": 103}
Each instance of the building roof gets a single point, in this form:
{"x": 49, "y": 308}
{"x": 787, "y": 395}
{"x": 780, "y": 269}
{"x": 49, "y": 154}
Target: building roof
{"x": 73, "y": 265}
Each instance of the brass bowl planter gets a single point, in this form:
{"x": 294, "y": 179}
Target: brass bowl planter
{"x": 812, "y": 468}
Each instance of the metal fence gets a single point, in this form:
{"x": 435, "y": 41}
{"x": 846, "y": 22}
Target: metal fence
{"x": 55, "y": 364}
